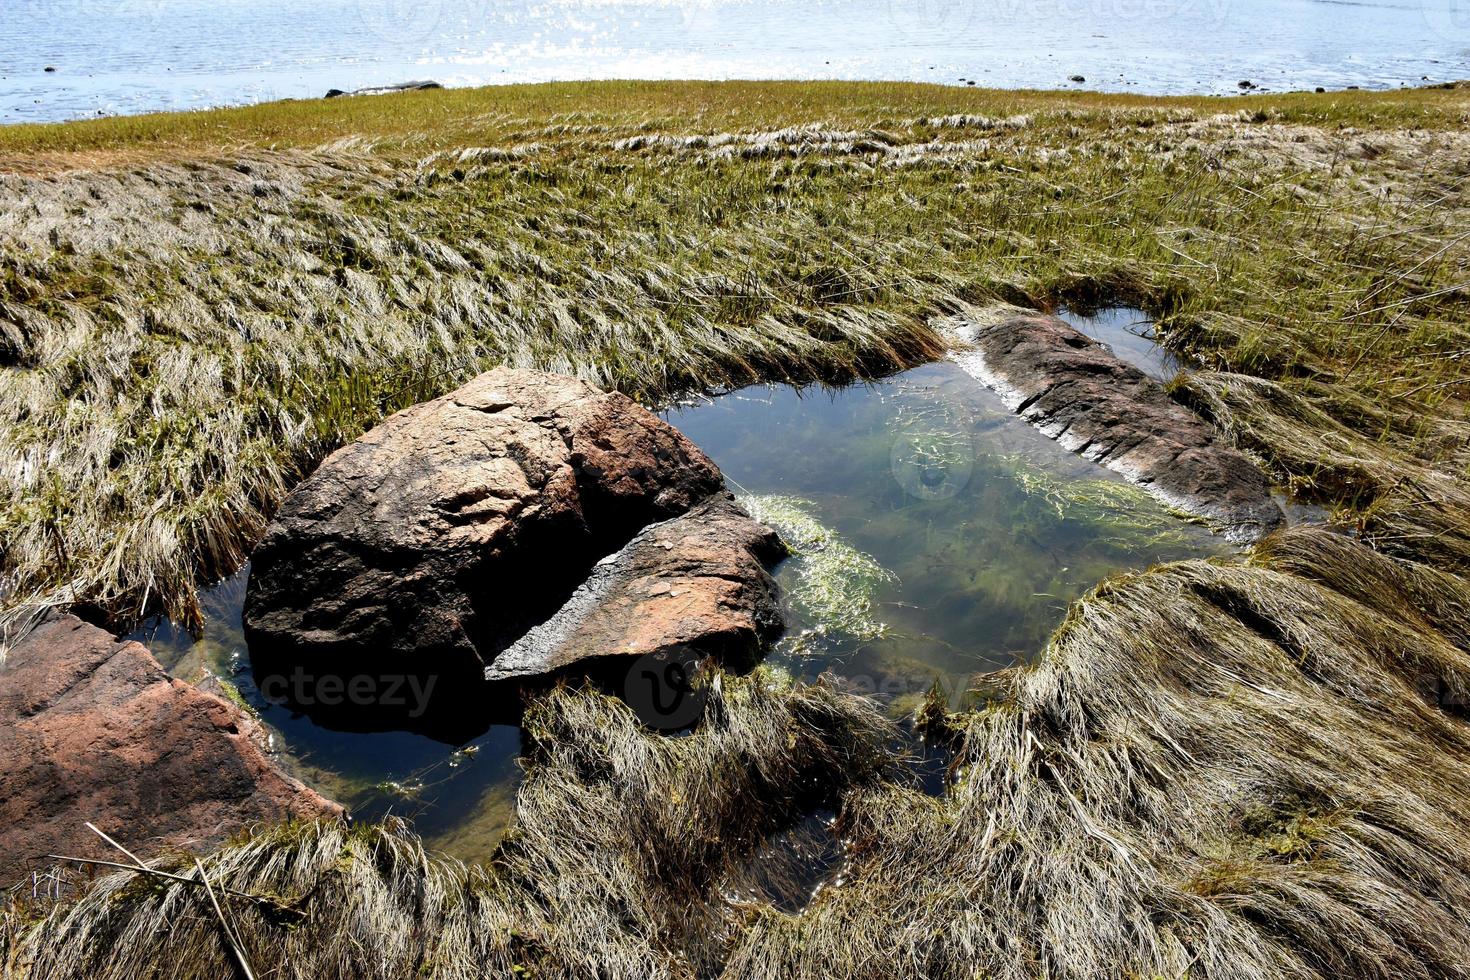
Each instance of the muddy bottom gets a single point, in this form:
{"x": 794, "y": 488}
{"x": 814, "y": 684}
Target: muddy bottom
{"x": 937, "y": 537}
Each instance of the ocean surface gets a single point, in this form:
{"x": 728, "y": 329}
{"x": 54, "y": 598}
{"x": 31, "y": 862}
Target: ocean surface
{"x": 131, "y": 56}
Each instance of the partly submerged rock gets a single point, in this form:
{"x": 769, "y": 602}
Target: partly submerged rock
{"x": 699, "y": 580}
{"x": 1078, "y": 392}
{"x": 93, "y": 729}
{"x": 422, "y": 86}
{"x": 464, "y": 530}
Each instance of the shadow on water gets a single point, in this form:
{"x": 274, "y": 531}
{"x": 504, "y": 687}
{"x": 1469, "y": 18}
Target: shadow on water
{"x": 455, "y": 793}
{"x": 937, "y": 538}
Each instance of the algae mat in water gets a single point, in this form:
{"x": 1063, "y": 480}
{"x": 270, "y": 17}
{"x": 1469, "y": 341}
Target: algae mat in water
{"x": 936, "y": 536}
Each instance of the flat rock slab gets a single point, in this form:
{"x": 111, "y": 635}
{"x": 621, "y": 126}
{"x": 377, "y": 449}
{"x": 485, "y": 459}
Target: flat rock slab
{"x": 470, "y": 528}
{"x": 699, "y": 581}
{"x": 423, "y": 86}
{"x": 93, "y": 729}
{"x": 1076, "y": 391}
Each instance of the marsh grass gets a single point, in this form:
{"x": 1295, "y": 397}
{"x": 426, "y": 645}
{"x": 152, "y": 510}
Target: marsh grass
{"x": 1220, "y": 768}
{"x": 195, "y": 309}
{"x": 622, "y": 838}
{"x": 1232, "y": 768}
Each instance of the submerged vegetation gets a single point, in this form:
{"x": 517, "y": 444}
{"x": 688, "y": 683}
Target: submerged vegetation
{"x": 1125, "y": 511}
{"x": 835, "y": 584}
{"x": 1241, "y": 767}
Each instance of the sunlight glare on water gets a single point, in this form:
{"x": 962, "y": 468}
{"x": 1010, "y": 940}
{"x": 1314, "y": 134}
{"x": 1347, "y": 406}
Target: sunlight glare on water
{"x": 128, "y": 56}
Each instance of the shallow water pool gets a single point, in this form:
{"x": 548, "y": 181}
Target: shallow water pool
{"x": 937, "y": 537}
{"x": 961, "y": 532}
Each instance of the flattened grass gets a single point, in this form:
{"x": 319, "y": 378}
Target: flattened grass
{"x": 623, "y": 842}
{"x": 1227, "y": 769}
{"x": 426, "y": 121}
{"x": 1217, "y": 769}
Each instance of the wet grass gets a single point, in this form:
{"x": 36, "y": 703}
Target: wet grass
{"x": 1215, "y": 770}
{"x": 835, "y": 583}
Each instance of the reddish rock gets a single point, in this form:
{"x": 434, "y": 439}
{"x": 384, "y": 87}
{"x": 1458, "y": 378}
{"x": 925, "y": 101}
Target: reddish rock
{"x": 455, "y": 525}
{"x": 1075, "y": 390}
{"x": 93, "y": 729}
{"x": 697, "y": 581}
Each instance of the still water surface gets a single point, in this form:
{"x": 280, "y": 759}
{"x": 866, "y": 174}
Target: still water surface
{"x": 962, "y": 531}
{"x": 128, "y": 56}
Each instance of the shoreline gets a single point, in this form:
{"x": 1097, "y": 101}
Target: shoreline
{"x": 1236, "y": 89}
{"x": 467, "y": 114}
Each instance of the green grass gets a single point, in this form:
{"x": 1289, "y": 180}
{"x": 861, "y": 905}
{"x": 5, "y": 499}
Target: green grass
{"x": 194, "y": 308}
{"x": 457, "y": 117}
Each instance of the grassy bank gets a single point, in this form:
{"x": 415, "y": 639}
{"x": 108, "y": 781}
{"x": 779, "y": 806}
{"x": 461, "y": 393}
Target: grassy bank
{"x": 195, "y": 308}
{"x": 1216, "y": 769}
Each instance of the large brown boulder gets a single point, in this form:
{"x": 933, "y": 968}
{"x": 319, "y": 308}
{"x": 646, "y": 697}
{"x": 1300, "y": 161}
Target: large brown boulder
{"x": 93, "y": 729}
{"x": 448, "y": 534}
{"x": 1077, "y": 391}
